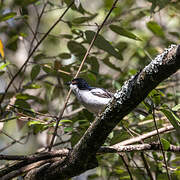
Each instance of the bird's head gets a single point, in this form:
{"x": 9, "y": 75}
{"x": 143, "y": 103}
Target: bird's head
{"x": 79, "y": 83}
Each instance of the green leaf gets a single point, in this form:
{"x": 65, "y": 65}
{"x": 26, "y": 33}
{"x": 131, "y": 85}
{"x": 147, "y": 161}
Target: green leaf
{"x": 38, "y": 128}
{"x": 83, "y": 19}
{"x": 80, "y": 9}
{"x": 49, "y": 69}
{"x": 172, "y": 118}
{"x": 158, "y": 3}
{"x": 32, "y": 86}
{"x": 3, "y": 65}
{"x": 155, "y": 29}
{"x": 156, "y": 96}
{"x": 123, "y": 32}
{"x": 103, "y": 44}
{"x": 119, "y": 136}
{"x": 91, "y": 77}
{"x": 80, "y": 20}
{"x": 176, "y": 117}
{"x": 7, "y": 16}
{"x": 165, "y": 144}
{"x": 24, "y": 107}
{"x": 23, "y": 96}
{"x": 121, "y": 46}
{"x": 94, "y": 64}
{"x": 39, "y": 56}
{"x": 75, "y": 137}
{"x": 67, "y": 36}
{"x": 176, "y": 34}
{"x": 116, "y": 84}
{"x": 34, "y": 122}
{"x": 25, "y": 2}
{"x": 29, "y": 97}
{"x": 65, "y": 56}
{"x": 22, "y": 17}
{"x": 68, "y": 129}
{"x": 119, "y": 171}
{"x": 35, "y": 71}
{"x": 108, "y": 63}
{"x": 12, "y": 42}
{"x": 22, "y": 104}
{"x": 176, "y": 108}
{"x": 66, "y": 121}
{"x": 76, "y": 48}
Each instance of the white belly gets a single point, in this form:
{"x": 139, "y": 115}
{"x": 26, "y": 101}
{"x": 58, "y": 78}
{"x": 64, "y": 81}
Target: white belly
{"x": 93, "y": 103}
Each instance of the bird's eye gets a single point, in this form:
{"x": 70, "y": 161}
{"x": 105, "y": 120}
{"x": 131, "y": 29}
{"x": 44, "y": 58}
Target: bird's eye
{"x": 74, "y": 82}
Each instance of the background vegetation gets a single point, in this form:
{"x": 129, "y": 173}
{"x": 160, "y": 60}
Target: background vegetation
{"x": 135, "y": 32}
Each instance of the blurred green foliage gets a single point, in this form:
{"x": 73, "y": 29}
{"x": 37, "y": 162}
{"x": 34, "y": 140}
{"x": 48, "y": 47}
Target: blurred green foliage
{"x": 133, "y": 35}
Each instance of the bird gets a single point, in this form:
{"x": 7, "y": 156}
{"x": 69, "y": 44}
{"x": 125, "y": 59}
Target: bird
{"x": 94, "y": 99}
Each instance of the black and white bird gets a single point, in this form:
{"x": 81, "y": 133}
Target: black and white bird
{"x": 94, "y": 99}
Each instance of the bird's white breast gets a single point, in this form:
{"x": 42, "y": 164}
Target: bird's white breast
{"x": 92, "y": 102}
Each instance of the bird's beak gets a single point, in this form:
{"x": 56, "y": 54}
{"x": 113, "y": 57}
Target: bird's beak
{"x": 68, "y": 83}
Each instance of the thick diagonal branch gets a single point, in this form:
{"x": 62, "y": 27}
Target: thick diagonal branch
{"x": 83, "y": 156}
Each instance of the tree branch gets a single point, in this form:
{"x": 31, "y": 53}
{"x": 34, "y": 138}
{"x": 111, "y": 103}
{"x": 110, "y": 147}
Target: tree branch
{"x": 145, "y": 136}
{"x": 137, "y": 147}
{"x": 28, "y": 163}
{"x": 83, "y": 156}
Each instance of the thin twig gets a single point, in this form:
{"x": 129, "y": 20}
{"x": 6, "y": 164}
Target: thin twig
{"x": 26, "y": 160}
{"x": 12, "y": 143}
{"x": 35, "y": 157}
{"x": 127, "y": 167}
{"x": 146, "y": 135}
{"x": 22, "y": 170}
{"x": 159, "y": 139}
{"x": 33, "y": 112}
{"x": 58, "y": 120}
{"x": 146, "y": 165}
{"x": 34, "y": 37}
{"x": 137, "y": 167}
{"x": 37, "y": 25}
{"x": 3, "y": 132}
{"x": 160, "y": 161}
{"x": 80, "y": 67}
